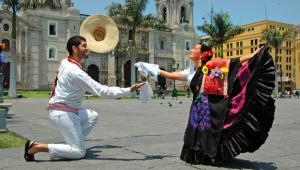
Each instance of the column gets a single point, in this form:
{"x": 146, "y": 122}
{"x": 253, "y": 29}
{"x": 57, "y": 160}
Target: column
{"x": 111, "y": 70}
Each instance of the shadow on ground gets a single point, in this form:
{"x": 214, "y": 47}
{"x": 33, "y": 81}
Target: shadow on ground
{"x": 246, "y": 164}
{"x": 94, "y": 153}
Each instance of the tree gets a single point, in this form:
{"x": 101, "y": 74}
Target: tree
{"x": 15, "y": 6}
{"x": 131, "y": 16}
{"x": 220, "y": 29}
{"x": 275, "y": 37}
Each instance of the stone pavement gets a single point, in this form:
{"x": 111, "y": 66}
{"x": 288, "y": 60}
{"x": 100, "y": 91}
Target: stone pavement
{"x": 130, "y": 135}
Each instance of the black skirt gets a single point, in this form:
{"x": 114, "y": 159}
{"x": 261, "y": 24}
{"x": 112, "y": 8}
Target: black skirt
{"x": 237, "y": 124}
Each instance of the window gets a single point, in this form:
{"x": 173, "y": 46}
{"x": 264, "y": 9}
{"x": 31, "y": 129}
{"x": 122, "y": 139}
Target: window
{"x": 130, "y": 35}
{"x": 231, "y": 45}
{"x": 241, "y": 52}
{"x": 7, "y": 44}
{"x": 251, "y": 42}
{"x": 227, "y": 53}
{"x": 227, "y": 46}
{"x": 52, "y": 28}
{"x": 164, "y": 14}
{"x": 255, "y": 41}
{"x": 5, "y": 27}
{"x": 52, "y": 53}
{"x": 161, "y": 45}
{"x": 241, "y": 44}
{"x": 187, "y": 45}
{"x": 237, "y": 52}
{"x": 251, "y": 50}
{"x": 143, "y": 41}
{"x": 231, "y": 53}
{"x": 237, "y": 44}
{"x": 183, "y": 18}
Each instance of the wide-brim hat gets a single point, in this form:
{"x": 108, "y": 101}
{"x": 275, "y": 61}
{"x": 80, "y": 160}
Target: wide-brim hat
{"x": 100, "y": 32}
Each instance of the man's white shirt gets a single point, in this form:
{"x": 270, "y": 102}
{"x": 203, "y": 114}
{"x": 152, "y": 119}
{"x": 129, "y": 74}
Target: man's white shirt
{"x": 73, "y": 83}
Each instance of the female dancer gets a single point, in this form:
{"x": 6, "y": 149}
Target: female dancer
{"x": 232, "y": 109}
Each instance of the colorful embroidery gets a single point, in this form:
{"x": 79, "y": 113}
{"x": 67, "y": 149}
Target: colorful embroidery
{"x": 200, "y": 114}
{"x": 215, "y": 74}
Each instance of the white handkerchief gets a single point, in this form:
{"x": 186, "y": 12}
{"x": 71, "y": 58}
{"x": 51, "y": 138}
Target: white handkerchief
{"x": 146, "y": 93}
{"x": 148, "y": 69}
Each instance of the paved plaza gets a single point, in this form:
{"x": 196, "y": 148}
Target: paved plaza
{"x": 130, "y": 135}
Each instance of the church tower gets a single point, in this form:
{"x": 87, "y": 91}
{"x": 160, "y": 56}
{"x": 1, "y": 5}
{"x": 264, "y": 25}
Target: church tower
{"x": 178, "y": 14}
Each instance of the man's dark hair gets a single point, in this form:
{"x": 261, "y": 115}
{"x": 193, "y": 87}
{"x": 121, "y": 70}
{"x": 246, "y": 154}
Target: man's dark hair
{"x": 74, "y": 41}
{"x": 0, "y": 49}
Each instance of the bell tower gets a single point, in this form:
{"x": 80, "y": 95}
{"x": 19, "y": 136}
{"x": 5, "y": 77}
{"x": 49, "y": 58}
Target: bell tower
{"x": 178, "y": 14}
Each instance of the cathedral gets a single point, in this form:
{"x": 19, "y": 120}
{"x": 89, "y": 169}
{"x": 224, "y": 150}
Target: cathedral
{"x": 42, "y": 35}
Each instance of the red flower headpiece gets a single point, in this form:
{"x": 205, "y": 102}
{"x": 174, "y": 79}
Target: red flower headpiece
{"x": 206, "y": 54}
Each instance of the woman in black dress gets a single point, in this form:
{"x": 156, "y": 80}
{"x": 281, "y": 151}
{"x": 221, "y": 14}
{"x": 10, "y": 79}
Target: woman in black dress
{"x": 232, "y": 109}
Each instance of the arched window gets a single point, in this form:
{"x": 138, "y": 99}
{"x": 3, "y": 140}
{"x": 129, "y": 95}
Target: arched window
{"x": 164, "y": 14}
{"x": 7, "y": 44}
{"x": 52, "y": 53}
{"x": 93, "y": 71}
{"x": 183, "y": 17}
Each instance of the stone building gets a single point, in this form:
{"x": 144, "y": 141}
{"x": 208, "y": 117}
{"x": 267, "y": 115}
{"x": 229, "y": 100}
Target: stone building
{"x": 41, "y": 42}
{"x": 42, "y": 35}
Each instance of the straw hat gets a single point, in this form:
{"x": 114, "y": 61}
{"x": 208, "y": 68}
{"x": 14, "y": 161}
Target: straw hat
{"x": 101, "y": 33}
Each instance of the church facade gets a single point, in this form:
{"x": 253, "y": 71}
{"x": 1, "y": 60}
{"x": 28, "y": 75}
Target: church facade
{"x": 42, "y": 35}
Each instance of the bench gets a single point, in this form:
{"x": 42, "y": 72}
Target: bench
{"x": 88, "y": 96}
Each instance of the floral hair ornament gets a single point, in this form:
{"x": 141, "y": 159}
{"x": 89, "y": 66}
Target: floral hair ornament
{"x": 206, "y": 54}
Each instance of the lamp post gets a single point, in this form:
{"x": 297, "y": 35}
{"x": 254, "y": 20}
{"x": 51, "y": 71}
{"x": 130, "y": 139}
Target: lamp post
{"x": 174, "y": 67}
{"x": 120, "y": 52}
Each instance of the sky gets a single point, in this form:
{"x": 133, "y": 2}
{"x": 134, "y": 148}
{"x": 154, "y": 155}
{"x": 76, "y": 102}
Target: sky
{"x": 240, "y": 11}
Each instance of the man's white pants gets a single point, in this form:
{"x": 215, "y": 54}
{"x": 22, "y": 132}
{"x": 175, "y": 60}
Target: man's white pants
{"x": 74, "y": 128}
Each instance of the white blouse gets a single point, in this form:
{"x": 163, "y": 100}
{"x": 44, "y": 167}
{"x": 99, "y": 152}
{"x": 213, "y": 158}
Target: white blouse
{"x": 189, "y": 73}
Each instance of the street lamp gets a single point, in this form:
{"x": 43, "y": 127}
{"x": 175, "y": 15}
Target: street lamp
{"x": 120, "y": 52}
{"x": 174, "y": 67}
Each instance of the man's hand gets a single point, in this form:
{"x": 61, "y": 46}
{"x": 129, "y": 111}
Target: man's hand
{"x": 136, "y": 86}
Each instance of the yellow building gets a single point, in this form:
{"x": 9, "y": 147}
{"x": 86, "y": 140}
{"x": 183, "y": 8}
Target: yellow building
{"x": 297, "y": 57}
{"x": 288, "y": 54}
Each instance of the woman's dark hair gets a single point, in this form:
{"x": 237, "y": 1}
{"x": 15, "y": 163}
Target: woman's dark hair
{"x": 205, "y": 47}
{"x": 74, "y": 41}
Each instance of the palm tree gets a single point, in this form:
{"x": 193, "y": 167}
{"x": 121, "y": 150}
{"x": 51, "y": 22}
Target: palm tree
{"x": 131, "y": 16}
{"x": 275, "y": 37}
{"x": 14, "y": 6}
{"x": 220, "y": 29}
